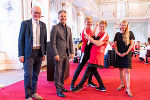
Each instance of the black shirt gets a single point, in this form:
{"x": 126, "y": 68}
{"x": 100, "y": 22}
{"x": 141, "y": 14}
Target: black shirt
{"x": 122, "y": 48}
{"x": 65, "y": 29}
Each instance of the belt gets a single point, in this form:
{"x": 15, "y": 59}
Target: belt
{"x": 38, "y": 47}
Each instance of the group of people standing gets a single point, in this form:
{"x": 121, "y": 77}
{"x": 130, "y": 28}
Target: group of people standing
{"x": 93, "y": 50}
{"x": 32, "y": 43}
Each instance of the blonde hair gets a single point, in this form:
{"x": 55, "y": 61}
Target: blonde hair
{"x": 126, "y": 34}
{"x": 88, "y": 18}
{"x": 103, "y": 22}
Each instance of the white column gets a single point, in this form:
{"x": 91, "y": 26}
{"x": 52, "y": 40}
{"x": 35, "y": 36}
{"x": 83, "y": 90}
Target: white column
{"x": 10, "y": 26}
{"x": 78, "y": 27}
{"x": 148, "y": 29}
{"x": 81, "y": 22}
{"x": 67, "y": 6}
{"x": 26, "y": 9}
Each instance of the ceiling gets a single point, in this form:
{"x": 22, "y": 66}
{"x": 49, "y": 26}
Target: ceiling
{"x": 99, "y": 2}
{"x": 113, "y": 9}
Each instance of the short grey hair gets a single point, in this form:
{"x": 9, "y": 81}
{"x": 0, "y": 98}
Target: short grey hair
{"x": 61, "y": 11}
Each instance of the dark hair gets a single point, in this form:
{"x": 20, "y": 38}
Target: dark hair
{"x": 61, "y": 11}
{"x": 138, "y": 41}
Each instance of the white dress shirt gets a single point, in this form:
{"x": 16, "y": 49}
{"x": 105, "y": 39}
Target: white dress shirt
{"x": 36, "y": 33}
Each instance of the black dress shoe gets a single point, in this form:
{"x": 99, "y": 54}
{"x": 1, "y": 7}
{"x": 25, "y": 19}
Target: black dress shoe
{"x": 77, "y": 88}
{"x": 65, "y": 90}
{"x": 60, "y": 94}
{"x": 101, "y": 88}
{"x": 72, "y": 87}
{"x": 91, "y": 84}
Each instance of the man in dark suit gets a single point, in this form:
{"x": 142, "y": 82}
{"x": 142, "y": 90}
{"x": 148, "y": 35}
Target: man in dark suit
{"x": 31, "y": 50}
{"x": 62, "y": 46}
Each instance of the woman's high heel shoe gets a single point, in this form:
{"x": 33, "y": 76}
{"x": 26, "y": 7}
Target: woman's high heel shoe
{"x": 129, "y": 93}
{"x": 122, "y": 86}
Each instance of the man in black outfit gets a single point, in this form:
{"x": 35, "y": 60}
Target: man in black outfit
{"x": 62, "y": 47}
{"x": 84, "y": 58}
{"x": 86, "y": 47}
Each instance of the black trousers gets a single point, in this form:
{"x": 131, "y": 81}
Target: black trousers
{"x": 84, "y": 58}
{"x": 60, "y": 67}
{"x": 90, "y": 69}
{"x": 32, "y": 67}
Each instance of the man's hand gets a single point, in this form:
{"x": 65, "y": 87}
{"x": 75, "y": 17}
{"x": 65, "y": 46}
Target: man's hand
{"x": 71, "y": 56}
{"x": 87, "y": 37}
{"x": 43, "y": 58}
{"x": 21, "y": 59}
{"x": 57, "y": 58}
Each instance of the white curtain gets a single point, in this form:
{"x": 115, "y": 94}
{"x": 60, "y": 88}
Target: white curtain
{"x": 110, "y": 31}
{"x": 140, "y": 31}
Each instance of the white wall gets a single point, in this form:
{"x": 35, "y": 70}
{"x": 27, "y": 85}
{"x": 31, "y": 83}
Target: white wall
{"x": 10, "y": 22}
{"x": 9, "y": 30}
{"x": 148, "y": 28}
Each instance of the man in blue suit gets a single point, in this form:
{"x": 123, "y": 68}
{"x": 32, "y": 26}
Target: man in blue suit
{"x": 31, "y": 50}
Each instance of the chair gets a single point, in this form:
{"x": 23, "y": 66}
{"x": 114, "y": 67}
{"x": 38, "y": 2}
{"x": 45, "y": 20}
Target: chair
{"x": 147, "y": 55}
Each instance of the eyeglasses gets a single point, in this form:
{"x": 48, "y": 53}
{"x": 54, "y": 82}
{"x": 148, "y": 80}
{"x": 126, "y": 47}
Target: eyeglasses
{"x": 102, "y": 27}
{"x": 37, "y": 13}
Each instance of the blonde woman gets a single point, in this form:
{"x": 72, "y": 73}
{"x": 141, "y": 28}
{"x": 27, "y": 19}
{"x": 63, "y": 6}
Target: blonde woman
{"x": 123, "y": 45}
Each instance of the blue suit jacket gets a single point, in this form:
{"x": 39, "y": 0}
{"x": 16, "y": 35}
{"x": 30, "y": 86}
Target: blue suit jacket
{"x": 25, "y": 40}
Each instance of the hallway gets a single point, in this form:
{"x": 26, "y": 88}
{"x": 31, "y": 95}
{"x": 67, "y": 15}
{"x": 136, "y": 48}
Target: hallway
{"x": 13, "y": 12}
{"x": 140, "y": 82}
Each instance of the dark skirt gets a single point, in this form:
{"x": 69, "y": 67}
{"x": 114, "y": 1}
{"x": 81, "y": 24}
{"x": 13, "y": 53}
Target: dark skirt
{"x": 124, "y": 62}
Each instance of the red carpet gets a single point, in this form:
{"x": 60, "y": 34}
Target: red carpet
{"x": 140, "y": 86}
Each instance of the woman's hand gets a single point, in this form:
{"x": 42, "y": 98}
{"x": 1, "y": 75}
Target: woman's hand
{"x": 57, "y": 58}
{"x": 119, "y": 54}
{"x": 87, "y": 37}
{"x": 122, "y": 54}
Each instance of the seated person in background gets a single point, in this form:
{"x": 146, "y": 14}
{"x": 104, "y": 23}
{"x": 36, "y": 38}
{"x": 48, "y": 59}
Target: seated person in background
{"x": 133, "y": 48}
{"x": 79, "y": 52}
{"x": 137, "y": 48}
{"x": 145, "y": 45}
{"x": 77, "y": 55}
{"x": 106, "y": 55}
{"x": 108, "y": 47}
{"x": 148, "y": 52}
{"x": 79, "y": 49}
{"x": 80, "y": 44}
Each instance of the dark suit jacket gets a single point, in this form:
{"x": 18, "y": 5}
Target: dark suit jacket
{"x": 25, "y": 40}
{"x": 59, "y": 43}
